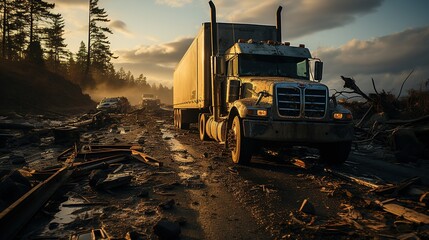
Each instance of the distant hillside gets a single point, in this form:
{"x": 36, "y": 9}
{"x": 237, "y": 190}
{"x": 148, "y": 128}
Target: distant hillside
{"x": 29, "y": 88}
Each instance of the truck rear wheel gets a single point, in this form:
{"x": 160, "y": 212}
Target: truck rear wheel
{"x": 175, "y": 118}
{"x": 202, "y": 127}
{"x": 178, "y": 120}
{"x": 241, "y": 147}
{"x": 335, "y": 153}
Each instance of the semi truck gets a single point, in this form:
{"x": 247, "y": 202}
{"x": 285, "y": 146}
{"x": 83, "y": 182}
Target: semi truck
{"x": 245, "y": 88}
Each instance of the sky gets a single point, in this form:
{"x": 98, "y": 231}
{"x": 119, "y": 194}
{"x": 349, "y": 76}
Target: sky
{"x": 363, "y": 39}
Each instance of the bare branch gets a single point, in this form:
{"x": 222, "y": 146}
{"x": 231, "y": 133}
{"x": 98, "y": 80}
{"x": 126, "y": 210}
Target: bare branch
{"x": 400, "y": 91}
{"x": 373, "y": 85}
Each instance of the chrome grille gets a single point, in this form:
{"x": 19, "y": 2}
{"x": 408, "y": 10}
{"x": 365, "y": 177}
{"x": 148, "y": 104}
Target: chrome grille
{"x": 305, "y": 102}
{"x": 315, "y": 103}
{"x": 289, "y": 101}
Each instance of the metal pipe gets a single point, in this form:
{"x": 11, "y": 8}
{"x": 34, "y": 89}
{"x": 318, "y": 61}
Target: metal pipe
{"x": 279, "y": 24}
{"x": 213, "y": 26}
{"x": 214, "y": 67}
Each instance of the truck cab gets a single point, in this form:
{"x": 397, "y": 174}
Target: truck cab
{"x": 257, "y": 91}
{"x": 270, "y": 97}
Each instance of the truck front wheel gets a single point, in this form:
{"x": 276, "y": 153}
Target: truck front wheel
{"x": 335, "y": 153}
{"x": 240, "y": 146}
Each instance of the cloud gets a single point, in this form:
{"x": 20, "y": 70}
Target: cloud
{"x": 157, "y": 61}
{"x": 120, "y": 26}
{"x": 299, "y": 17}
{"x": 174, "y": 3}
{"x": 388, "y": 59}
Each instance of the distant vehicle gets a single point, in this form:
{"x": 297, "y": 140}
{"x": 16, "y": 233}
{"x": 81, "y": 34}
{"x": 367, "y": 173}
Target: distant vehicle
{"x": 114, "y": 104}
{"x": 150, "y": 101}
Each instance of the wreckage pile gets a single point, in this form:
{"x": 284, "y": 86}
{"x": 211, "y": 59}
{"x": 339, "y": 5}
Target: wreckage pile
{"x": 402, "y": 126}
{"x": 98, "y": 170}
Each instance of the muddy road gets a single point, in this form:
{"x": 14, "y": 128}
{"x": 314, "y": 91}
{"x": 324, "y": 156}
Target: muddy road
{"x": 198, "y": 193}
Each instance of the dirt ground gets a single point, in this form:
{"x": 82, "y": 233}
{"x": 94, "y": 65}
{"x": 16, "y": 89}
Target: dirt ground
{"x": 198, "y": 193}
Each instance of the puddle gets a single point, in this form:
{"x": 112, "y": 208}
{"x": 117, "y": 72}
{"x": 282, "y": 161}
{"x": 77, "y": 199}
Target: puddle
{"x": 69, "y": 214}
{"x": 181, "y": 156}
{"x": 65, "y": 215}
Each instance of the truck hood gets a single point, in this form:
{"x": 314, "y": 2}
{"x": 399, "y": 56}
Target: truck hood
{"x": 259, "y": 84}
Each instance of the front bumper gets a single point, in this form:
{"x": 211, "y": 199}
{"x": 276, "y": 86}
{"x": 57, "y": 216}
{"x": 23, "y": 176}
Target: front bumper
{"x": 298, "y": 132}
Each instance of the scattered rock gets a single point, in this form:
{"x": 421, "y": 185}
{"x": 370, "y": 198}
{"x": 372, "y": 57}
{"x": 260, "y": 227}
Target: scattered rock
{"x": 53, "y": 225}
{"x": 133, "y": 236}
{"x": 141, "y": 140}
{"x": 114, "y": 181}
{"x": 403, "y": 226}
{"x": 96, "y": 176}
{"x": 167, "y": 205}
{"x": 19, "y": 178}
{"x": 166, "y": 229}
{"x": 16, "y": 159}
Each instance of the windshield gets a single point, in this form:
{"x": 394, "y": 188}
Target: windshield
{"x": 262, "y": 65}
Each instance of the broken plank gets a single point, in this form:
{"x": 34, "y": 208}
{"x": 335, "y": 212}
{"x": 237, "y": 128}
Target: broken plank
{"x": 353, "y": 179}
{"x": 406, "y": 213}
{"x": 84, "y": 204}
{"x": 397, "y": 188}
{"x": 142, "y": 157}
{"x": 13, "y": 218}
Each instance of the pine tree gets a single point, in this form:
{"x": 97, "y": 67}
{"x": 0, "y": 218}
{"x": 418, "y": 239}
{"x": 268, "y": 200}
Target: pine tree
{"x": 55, "y": 42}
{"x": 16, "y": 23}
{"x": 39, "y": 13}
{"x": 99, "y": 54}
{"x": 4, "y": 12}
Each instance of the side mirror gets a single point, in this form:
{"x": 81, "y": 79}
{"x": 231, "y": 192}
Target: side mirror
{"x": 318, "y": 70}
{"x": 233, "y": 91}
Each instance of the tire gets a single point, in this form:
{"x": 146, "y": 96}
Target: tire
{"x": 202, "y": 127}
{"x": 335, "y": 153}
{"x": 240, "y": 146}
{"x": 180, "y": 123}
{"x": 175, "y": 118}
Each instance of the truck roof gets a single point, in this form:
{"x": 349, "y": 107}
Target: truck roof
{"x": 268, "y": 49}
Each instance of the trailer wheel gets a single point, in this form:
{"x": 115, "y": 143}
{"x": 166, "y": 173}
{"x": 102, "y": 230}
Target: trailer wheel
{"x": 180, "y": 123}
{"x": 175, "y": 118}
{"x": 335, "y": 153}
{"x": 202, "y": 127}
{"x": 241, "y": 147}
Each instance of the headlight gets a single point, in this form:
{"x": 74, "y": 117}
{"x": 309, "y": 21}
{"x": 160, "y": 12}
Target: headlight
{"x": 342, "y": 116}
{"x": 257, "y": 112}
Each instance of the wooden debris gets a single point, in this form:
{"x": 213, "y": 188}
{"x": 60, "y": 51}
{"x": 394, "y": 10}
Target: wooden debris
{"x": 144, "y": 158}
{"x": 85, "y": 204}
{"x": 307, "y": 207}
{"x": 424, "y": 198}
{"x": 396, "y": 189}
{"x": 353, "y": 178}
{"x": 301, "y": 163}
{"x": 404, "y": 212}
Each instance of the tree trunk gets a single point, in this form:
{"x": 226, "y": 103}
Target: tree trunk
{"x": 88, "y": 55}
{"x": 4, "y": 29}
